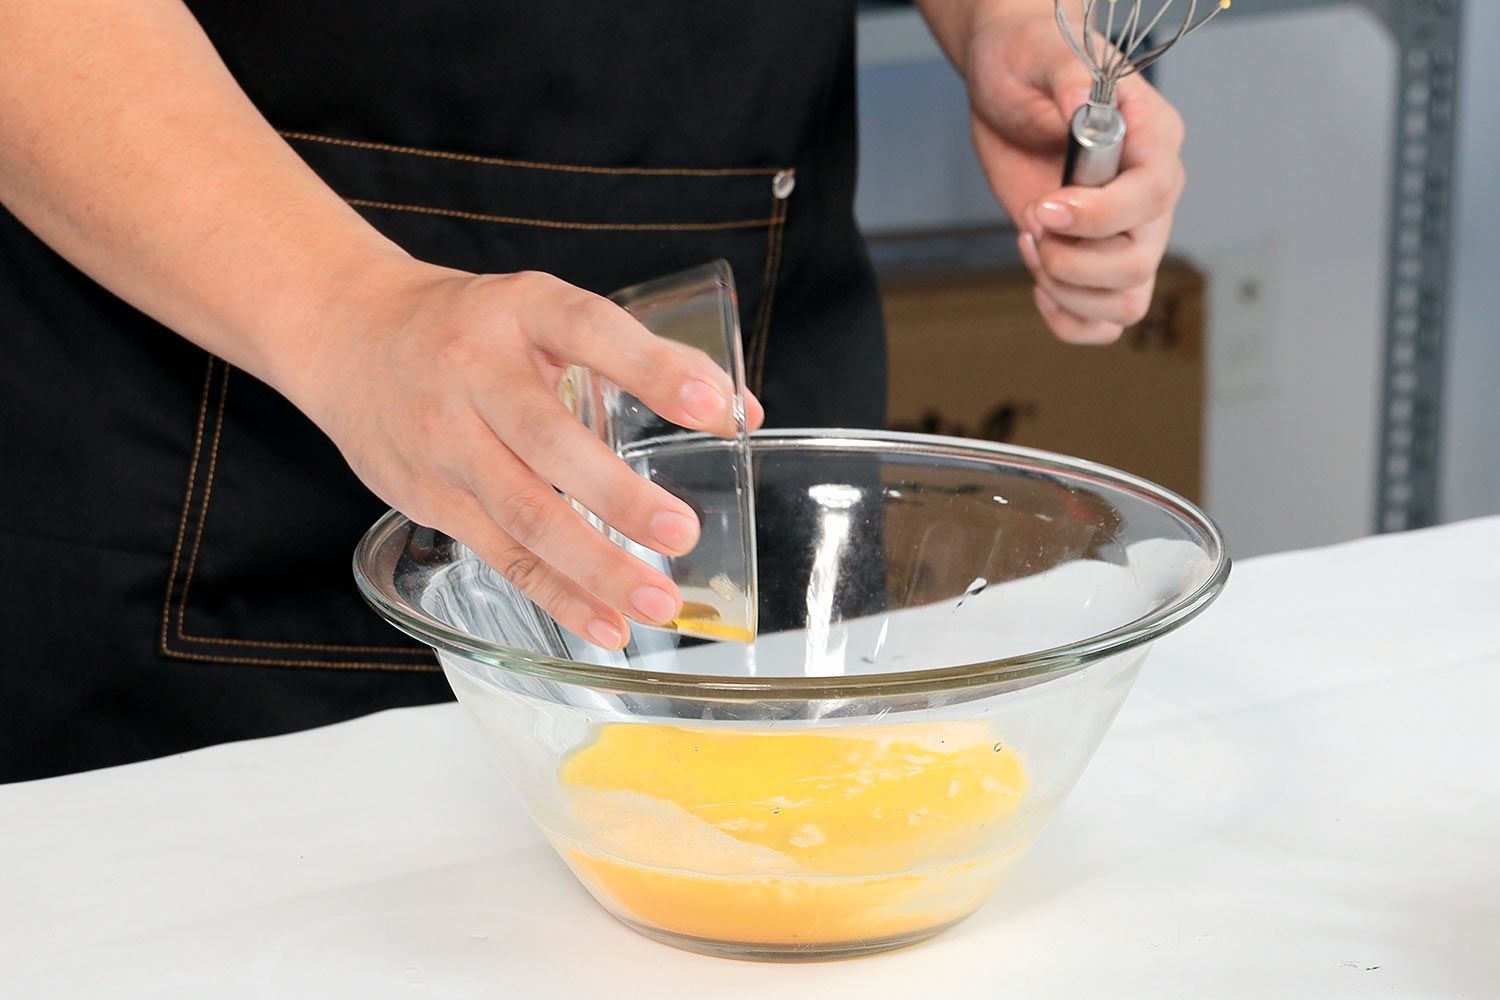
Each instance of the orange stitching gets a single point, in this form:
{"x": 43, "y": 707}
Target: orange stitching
{"x": 278, "y": 644}
{"x": 765, "y": 340}
{"x": 773, "y": 272}
{"x": 187, "y": 583}
{"x": 759, "y": 312}
{"x": 256, "y": 661}
{"x": 187, "y": 500}
{"x": 567, "y": 168}
{"x": 620, "y": 227}
{"x": 208, "y": 491}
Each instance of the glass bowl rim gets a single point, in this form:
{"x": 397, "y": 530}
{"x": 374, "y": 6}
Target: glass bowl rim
{"x": 1026, "y": 667}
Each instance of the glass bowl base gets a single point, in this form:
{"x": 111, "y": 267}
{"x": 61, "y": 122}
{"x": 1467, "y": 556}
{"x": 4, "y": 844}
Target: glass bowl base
{"x": 823, "y": 951}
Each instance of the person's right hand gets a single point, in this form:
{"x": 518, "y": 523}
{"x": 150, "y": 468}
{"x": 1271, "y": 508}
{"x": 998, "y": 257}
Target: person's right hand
{"x": 443, "y": 398}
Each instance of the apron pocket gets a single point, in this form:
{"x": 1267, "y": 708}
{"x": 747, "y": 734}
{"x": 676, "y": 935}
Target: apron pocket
{"x": 260, "y": 571}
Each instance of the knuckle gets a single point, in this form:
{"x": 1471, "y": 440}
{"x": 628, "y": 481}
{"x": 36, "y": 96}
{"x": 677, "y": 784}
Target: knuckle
{"x": 597, "y": 313}
{"x": 528, "y": 517}
{"x": 536, "y": 422}
{"x": 522, "y": 568}
{"x": 536, "y": 288}
{"x": 459, "y": 351}
{"x": 507, "y": 326}
{"x": 1053, "y": 256}
{"x": 432, "y": 425}
{"x": 538, "y": 281}
{"x": 551, "y": 595}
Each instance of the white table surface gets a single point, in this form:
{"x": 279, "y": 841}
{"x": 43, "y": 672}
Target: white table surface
{"x": 1300, "y": 799}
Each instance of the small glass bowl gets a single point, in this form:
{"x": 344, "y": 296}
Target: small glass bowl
{"x": 947, "y": 630}
{"x": 717, "y": 579}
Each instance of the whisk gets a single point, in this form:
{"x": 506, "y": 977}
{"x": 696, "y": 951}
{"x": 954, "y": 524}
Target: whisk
{"x": 1097, "y": 134}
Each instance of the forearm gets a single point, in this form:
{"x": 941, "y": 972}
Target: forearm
{"x": 953, "y": 22}
{"x": 126, "y": 145}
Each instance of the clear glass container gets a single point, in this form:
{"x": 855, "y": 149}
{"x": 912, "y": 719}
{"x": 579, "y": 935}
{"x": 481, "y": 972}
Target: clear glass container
{"x": 696, "y": 309}
{"x": 947, "y": 630}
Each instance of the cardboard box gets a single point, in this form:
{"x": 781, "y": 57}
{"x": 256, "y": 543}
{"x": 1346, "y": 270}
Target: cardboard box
{"x": 970, "y": 357}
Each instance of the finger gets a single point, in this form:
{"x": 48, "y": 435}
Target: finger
{"x": 536, "y": 426}
{"x": 1116, "y": 262}
{"x": 1140, "y": 195}
{"x": 1071, "y": 328}
{"x": 573, "y": 607}
{"x": 755, "y": 413}
{"x": 679, "y": 383}
{"x": 1149, "y": 185}
{"x": 1154, "y": 128}
{"x": 1122, "y": 307}
{"x": 530, "y": 512}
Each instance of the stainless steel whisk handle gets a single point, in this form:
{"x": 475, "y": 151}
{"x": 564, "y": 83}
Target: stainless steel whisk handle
{"x": 1096, "y": 140}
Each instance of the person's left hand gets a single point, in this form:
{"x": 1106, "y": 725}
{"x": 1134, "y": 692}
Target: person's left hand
{"x": 1093, "y": 251}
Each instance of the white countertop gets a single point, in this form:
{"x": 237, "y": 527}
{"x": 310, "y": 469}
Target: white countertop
{"x": 1301, "y": 798}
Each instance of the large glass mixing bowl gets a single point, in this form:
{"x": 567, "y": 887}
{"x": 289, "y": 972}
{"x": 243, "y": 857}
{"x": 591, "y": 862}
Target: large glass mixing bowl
{"x": 947, "y": 629}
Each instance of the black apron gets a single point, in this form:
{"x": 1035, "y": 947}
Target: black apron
{"x": 178, "y": 537}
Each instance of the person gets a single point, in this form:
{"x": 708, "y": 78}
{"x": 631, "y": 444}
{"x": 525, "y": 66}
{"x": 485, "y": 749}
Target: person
{"x": 270, "y": 267}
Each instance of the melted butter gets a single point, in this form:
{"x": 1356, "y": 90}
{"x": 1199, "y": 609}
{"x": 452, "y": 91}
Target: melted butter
{"x": 706, "y": 622}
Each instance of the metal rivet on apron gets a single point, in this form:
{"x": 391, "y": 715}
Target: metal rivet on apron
{"x": 783, "y": 184}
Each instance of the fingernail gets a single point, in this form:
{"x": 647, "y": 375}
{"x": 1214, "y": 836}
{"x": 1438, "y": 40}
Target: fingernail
{"x": 703, "y": 401}
{"x": 1054, "y": 215}
{"x": 1030, "y": 224}
{"x": 654, "y": 604}
{"x": 677, "y": 532}
{"x": 1029, "y": 252}
{"x": 603, "y": 633}
{"x": 755, "y": 413}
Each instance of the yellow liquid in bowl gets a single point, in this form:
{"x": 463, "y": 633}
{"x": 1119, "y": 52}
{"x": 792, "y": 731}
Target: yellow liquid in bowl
{"x": 792, "y": 839}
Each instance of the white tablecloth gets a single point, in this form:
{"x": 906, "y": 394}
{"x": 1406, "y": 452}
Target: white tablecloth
{"x": 1301, "y": 798}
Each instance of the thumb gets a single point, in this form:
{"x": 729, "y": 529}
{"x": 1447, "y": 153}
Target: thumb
{"x": 1070, "y": 85}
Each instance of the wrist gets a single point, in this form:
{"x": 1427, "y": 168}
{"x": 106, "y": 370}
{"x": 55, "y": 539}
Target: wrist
{"x": 344, "y": 307}
{"x": 965, "y": 23}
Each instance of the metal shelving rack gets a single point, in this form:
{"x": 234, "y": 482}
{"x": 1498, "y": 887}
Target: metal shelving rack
{"x": 1426, "y": 35}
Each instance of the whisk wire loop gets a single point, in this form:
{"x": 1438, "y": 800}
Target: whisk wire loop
{"x": 1109, "y": 44}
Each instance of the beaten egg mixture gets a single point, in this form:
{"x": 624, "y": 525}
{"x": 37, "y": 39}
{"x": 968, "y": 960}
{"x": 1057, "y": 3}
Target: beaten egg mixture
{"x": 795, "y": 838}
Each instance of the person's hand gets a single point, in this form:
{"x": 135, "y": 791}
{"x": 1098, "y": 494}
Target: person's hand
{"x": 441, "y": 392}
{"x": 1094, "y": 252}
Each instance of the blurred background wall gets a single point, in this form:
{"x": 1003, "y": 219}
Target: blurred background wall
{"x": 1289, "y": 158}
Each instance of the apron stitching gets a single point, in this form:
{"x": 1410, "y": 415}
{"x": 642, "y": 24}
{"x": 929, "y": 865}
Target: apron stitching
{"x": 208, "y": 492}
{"x": 259, "y": 661}
{"x": 187, "y": 500}
{"x": 213, "y": 462}
{"x": 570, "y": 168}
{"x": 773, "y": 270}
{"x": 623, "y": 227}
{"x": 756, "y": 332}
